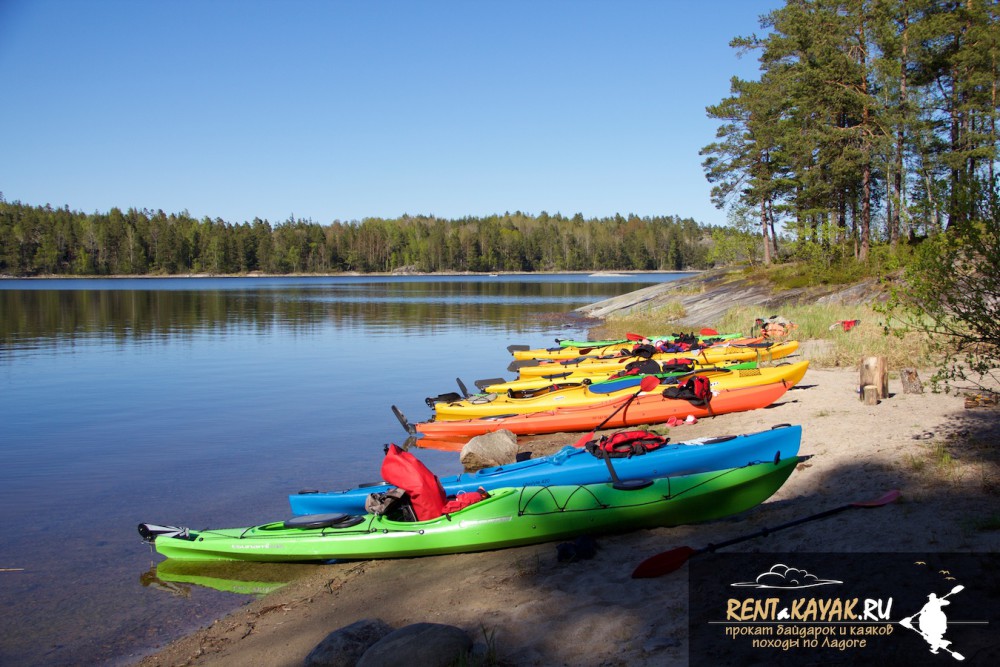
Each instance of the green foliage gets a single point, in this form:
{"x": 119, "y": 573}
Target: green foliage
{"x": 46, "y": 241}
{"x": 872, "y": 121}
{"x": 736, "y": 244}
{"x": 990, "y": 522}
{"x": 813, "y": 267}
{"x": 951, "y": 292}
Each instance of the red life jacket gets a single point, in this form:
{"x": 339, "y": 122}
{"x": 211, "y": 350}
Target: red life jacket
{"x": 626, "y": 444}
{"x": 404, "y": 470}
{"x": 463, "y": 500}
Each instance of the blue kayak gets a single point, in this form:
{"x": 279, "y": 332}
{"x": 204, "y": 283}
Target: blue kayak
{"x": 573, "y": 465}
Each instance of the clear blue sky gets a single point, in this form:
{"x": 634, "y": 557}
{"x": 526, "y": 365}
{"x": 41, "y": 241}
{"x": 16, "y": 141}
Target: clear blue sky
{"x": 343, "y": 110}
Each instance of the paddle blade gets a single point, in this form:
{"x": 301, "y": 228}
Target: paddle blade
{"x": 649, "y": 383}
{"x": 663, "y": 563}
{"x": 708, "y": 332}
{"x": 518, "y": 364}
{"x": 889, "y": 497}
{"x": 484, "y": 383}
{"x": 634, "y": 337}
{"x": 402, "y": 420}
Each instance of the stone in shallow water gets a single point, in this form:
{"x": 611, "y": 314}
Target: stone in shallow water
{"x": 491, "y": 449}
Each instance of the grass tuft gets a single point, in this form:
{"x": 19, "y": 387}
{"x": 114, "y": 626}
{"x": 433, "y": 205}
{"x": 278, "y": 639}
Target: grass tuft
{"x": 991, "y": 522}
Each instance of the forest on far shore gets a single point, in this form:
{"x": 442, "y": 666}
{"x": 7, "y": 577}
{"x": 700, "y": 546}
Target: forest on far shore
{"x": 41, "y": 240}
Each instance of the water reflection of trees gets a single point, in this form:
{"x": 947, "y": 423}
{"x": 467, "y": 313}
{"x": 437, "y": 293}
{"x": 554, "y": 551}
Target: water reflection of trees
{"x": 46, "y": 317}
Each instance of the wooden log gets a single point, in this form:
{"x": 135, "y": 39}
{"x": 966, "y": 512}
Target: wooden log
{"x": 911, "y": 381}
{"x": 874, "y": 372}
{"x": 869, "y": 394}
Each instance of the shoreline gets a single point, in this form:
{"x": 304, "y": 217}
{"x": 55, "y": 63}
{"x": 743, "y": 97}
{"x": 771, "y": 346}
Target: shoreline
{"x": 351, "y": 274}
{"x": 545, "y": 612}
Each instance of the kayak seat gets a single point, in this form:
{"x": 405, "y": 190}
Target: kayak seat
{"x": 338, "y": 520}
{"x": 532, "y": 393}
{"x": 394, "y": 504}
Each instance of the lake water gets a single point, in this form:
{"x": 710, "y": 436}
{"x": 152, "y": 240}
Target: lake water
{"x": 204, "y": 402}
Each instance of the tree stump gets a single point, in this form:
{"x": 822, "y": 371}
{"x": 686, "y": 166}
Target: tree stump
{"x": 869, "y": 394}
{"x": 875, "y": 373}
{"x": 911, "y": 381}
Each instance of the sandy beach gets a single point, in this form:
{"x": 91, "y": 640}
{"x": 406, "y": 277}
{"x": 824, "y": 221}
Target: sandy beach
{"x": 937, "y": 450}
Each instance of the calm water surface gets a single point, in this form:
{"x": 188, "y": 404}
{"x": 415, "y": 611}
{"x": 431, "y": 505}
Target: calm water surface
{"x": 204, "y": 402}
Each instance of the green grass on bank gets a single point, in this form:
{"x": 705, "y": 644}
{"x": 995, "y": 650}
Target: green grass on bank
{"x": 833, "y": 346}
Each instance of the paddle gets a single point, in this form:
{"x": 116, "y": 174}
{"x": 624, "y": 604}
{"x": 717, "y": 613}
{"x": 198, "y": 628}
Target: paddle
{"x": 462, "y": 388}
{"x": 518, "y": 364}
{"x": 402, "y": 420}
{"x": 484, "y": 383}
{"x": 667, "y": 561}
{"x": 648, "y": 383}
{"x": 906, "y": 623}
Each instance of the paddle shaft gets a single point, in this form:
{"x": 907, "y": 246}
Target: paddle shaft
{"x": 647, "y": 383}
{"x": 588, "y": 436}
{"x": 669, "y": 561}
{"x": 764, "y": 532}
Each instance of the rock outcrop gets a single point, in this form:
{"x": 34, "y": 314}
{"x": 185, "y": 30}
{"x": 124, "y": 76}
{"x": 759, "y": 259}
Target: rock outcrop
{"x": 708, "y": 295}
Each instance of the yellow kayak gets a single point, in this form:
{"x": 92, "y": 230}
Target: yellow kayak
{"x": 613, "y": 348}
{"x": 525, "y": 402}
{"x": 760, "y": 352}
{"x": 569, "y": 378}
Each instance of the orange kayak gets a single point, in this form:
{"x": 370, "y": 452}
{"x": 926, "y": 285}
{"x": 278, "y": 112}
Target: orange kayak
{"x": 652, "y": 408}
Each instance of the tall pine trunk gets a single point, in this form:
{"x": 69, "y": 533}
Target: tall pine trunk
{"x": 903, "y": 108}
{"x": 764, "y": 228}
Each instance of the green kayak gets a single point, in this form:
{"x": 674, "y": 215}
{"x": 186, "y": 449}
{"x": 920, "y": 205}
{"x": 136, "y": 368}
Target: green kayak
{"x": 507, "y": 518}
{"x": 227, "y": 576}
